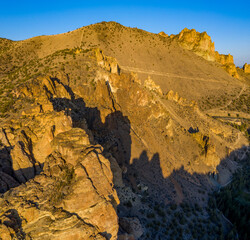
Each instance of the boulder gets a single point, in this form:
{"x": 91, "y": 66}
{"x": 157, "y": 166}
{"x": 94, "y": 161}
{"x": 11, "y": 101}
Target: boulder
{"x": 70, "y": 199}
{"x": 131, "y": 226}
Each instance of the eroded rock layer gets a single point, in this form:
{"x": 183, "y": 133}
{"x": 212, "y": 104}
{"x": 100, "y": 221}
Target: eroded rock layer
{"x": 88, "y": 151}
{"x": 202, "y": 45}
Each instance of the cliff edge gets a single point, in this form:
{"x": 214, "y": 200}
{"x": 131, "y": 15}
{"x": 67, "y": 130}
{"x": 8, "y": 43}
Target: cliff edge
{"x": 202, "y": 45}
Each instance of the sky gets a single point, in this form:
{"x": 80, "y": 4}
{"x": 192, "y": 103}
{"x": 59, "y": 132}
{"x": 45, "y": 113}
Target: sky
{"x": 227, "y": 22}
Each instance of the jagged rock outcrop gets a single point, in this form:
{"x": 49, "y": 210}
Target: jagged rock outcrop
{"x": 70, "y": 141}
{"x": 246, "y": 68}
{"x": 30, "y": 142}
{"x": 202, "y": 45}
{"x": 73, "y": 198}
{"x": 227, "y": 63}
{"x": 150, "y": 84}
{"x": 108, "y": 63}
{"x": 172, "y": 96}
{"x": 69, "y": 190}
{"x": 208, "y": 151}
{"x": 163, "y": 34}
{"x": 29, "y": 139}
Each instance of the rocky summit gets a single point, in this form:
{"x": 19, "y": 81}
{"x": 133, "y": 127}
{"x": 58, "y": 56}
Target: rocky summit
{"x": 110, "y": 132}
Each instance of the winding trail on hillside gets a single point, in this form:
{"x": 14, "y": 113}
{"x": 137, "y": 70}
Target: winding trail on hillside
{"x": 240, "y": 93}
{"x": 230, "y": 101}
{"x": 171, "y": 75}
{"x": 186, "y": 126}
{"x": 165, "y": 74}
{"x": 231, "y": 145}
{"x": 173, "y": 114}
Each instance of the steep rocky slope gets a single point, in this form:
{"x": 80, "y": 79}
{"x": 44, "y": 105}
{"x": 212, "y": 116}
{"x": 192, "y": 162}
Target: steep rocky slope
{"x": 147, "y": 54}
{"x": 201, "y": 44}
{"x": 246, "y": 68}
{"x": 73, "y": 197}
{"x": 91, "y": 151}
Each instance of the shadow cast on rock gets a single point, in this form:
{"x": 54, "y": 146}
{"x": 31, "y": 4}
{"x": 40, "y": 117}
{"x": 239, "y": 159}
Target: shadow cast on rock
{"x": 113, "y": 134}
{"x": 12, "y": 220}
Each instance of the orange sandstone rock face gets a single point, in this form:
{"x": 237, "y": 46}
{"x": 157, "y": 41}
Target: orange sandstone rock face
{"x": 224, "y": 59}
{"x": 246, "y": 68}
{"x": 150, "y": 84}
{"x": 227, "y": 62}
{"x": 202, "y": 45}
{"x": 68, "y": 191}
{"x": 70, "y": 135}
{"x": 163, "y": 34}
{"x": 108, "y": 63}
{"x": 72, "y": 199}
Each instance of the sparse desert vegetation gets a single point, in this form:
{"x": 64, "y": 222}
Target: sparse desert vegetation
{"x": 111, "y": 132}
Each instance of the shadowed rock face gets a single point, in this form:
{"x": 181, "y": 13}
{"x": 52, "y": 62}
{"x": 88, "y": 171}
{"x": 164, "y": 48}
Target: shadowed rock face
{"x": 72, "y": 198}
{"x": 77, "y": 148}
{"x": 69, "y": 190}
{"x": 65, "y": 153}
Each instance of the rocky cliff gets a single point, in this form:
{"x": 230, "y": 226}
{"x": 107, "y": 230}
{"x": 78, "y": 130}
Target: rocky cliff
{"x": 73, "y": 197}
{"x": 246, "y": 68}
{"x": 90, "y": 151}
{"x": 202, "y": 45}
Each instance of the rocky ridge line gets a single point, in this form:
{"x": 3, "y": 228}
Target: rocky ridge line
{"x": 88, "y": 138}
{"x": 202, "y": 45}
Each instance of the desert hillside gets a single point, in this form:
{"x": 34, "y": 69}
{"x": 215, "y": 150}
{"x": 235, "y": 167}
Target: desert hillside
{"x": 111, "y": 132}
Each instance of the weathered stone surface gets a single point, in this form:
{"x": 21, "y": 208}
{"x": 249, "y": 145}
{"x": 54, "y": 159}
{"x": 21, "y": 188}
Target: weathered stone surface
{"x": 108, "y": 63}
{"x": 7, "y": 182}
{"x": 150, "y": 84}
{"x": 202, "y": 45}
{"x": 163, "y": 34}
{"x": 72, "y": 199}
{"x": 199, "y": 42}
{"x": 246, "y": 68}
{"x": 79, "y": 131}
{"x": 30, "y": 142}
